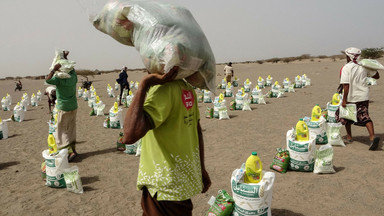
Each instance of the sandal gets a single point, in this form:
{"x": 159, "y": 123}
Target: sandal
{"x": 348, "y": 140}
{"x": 374, "y": 144}
{"x": 72, "y": 156}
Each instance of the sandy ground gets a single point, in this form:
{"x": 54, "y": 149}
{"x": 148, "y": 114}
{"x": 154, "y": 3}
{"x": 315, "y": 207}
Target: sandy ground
{"x": 109, "y": 177}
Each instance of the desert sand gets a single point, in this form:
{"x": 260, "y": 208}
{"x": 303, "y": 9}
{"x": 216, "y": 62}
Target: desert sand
{"x": 109, "y": 176}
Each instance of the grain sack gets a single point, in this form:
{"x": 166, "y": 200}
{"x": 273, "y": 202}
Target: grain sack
{"x": 116, "y": 118}
{"x": 302, "y": 153}
{"x": 5, "y": 104}
{"x": 371, "y": 64}
{"x": 55, "y": 165}
{"x": 73, "y": 180}
{"x": 253, "y": 198}
{"x": 164, "y": 35}
{"x": 207, "y": 96}
{"x": 324, "y": 160}
{"x": 18, "y": 113}
{"x": 349, "y": 112}
{"x": 332, "y": 112}
{"x": 333, "y": 134}
{"x": 319, "y": 128}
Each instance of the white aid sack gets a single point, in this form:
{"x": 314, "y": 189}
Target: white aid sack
{"x": 164, "y": 35}
{"x": 332, "y": 112}
{"x": 302, "y": 153}
{"x": 253, "y": 198}
{"x": 349, "y": 112}
{"x": 247, "y": 86}
{"x": 371, "y": 64}
{"x": 55, "y": 165}
{"x": 86, "y": 95}
{"x": 5, "y": 104}
{"x": 223, "y": 111}
{"x": 3, "y": 130}
{"x": 324, "y": 160}
{"x": 207, "y": 97}
{"x": 34, "y": 101}
{"x": 18, "y": 113}
{"x": 246, "y": 104}
{"x": 24, "y": 104}
{"x": 80, "y": 92}
{"x": 116, "y": 118}
{"x": 333, "y": 134}
{"x": 319, "y": 128}
{"x": 99, "y": 108}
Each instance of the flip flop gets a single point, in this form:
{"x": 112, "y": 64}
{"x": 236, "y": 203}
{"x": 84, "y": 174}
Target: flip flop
{"x": 348, "y": 140}
{"x": 374, "y": 144}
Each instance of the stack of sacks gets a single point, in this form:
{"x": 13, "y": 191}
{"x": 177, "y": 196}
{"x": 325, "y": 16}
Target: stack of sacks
{"x": 275, "y": 90}
{"x": 269, "y": 81}
{"x": 38, "y": 95}
{"x": 129, "y": 99}
{"x": 302, "y": 153}
{"x": 5, "y": 104}
{"x": 165, "y": 36}
{"x": 298, "y": 82}
{"x": 9, "y": 98}
{"x": 286, "y": 84}
{"x": 117, "y": 86}
{"x": 260, "y": 82}
{"x": 18, "y": 113}
{"x": 110, "y": 91}
{"x": 99, "y": 107}
{"x": 317, "y": 125}
{"x": 34, "y": 101}
{"x": 92, "y": 90}
{"x": 239, "y": 99}
{"x": 86, "y": 95}
{"x": 228, "y": 90}
{"x": 207, "y": 96}
{"x": 116, "y": 117}
{"x": 80, "y": 92}
{"x": 247, "y": 85}
{"x": 305, "y": 80}
{"x": 223, "y": 84}
{"x": 257, "y": 96}
{"x": 24, "y": 103}
{"x": 92, "y": 99}
{"x": 235, "y": 82}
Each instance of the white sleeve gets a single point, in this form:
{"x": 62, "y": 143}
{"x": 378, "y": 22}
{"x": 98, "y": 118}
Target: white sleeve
{"x": 344, "y": 79}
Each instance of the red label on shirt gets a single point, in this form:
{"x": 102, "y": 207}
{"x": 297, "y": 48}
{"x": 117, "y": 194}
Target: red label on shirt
{"x": 187, "y": 98}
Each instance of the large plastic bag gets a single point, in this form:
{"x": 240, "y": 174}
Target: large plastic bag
{"x": 324, "y": 158}
{"x": 165, "y": 36}
{"x": 222, "y": 205}
{"x": 73, "y": 180}
{"x": 348, "y": 112}
{"x": 371, "y": 64}
{"x": 333, "y": 134}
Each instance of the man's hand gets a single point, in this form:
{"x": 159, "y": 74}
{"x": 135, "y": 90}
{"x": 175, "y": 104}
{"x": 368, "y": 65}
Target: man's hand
{"x": 57, "y": 67}
{"x": 344, "y": 104}
{"x": 159, "y": 79}
{"x": 206, "y": 181}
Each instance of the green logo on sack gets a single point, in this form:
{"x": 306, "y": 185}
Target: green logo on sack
{"x": 246, "y": 190}
{"x": 298, "y": 146}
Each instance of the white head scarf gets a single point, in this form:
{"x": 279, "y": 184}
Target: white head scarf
{"x": 353, "y": 53}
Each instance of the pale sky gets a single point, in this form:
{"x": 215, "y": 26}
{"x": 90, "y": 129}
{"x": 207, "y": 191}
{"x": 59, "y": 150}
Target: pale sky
{"x": 237, "y": 30}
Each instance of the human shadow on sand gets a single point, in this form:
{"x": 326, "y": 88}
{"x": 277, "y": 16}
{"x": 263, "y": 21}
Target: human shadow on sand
{"x": 284, "y": 212}
{"x": 89, "y": 180}
{"x": 8, "y": 164}
{"x": 81, "y": 156}
{"x": 365, "y": 140}
{"x": 14, "y": 135}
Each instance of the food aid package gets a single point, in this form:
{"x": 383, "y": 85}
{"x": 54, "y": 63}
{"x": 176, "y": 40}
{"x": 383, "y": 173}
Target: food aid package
{"x": 55, "y": 165}
{"x": 371, "y": 81}
{"x": 253, "y": 198}
{"x": 333, "y": 134}
{"x": 18, "y": 113}
{"x": 132, "y": 148}
{"x": 247, "y": 86}
{"x": 164, "y": 35}
{"x": 73, "y": 180}
{"x": 38, "y": 95}
{"x": 281, "y": 160}
{"x": 3, "y": 130}
{"x": 246, "y": 104}
{"x": 302, "y": 153}
{"x": 5, "y": 104}
{"x": 222, "y": 205}
{"x": 24, "y": 104}
{"x": 319, "y": 128}
{"x": 117, "y": 86}
{"x": 349, "y": 112}
{"x": 116, "y": 118}
{"x": 80, "y": 92}
{"x": 34, "y": 101}
{"x": 332, "y": 112}
{"x": 371, "y": 64}
{"x": 223, "y": 111}
{"x": 86, "y": 95}
{"x": 99, "y": 109}
{"x": 324, "y": 160}
{"x": 207, "y": 96}
{"x": 239, "y": 100}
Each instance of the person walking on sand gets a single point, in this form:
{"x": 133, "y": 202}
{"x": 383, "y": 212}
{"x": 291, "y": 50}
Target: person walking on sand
{"x": 228, "y": 72}
{"x": 66, "y": 106}
{"x": 123, "y": 81}
{"x": 50, "y": 91}
{"x": 164, "y": 113}
{"x": 356, "y": 91}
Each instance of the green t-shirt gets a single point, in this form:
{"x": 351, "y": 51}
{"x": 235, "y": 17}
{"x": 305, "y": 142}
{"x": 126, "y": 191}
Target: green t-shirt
{"x": 170, "y": 160}
{"x": 65, "y": 91}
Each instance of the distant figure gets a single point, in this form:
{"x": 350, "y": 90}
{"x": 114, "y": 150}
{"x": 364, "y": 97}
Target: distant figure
{"x": 50, "y": 91}
{"x": 66, "y": 106}
{"x": 356, "y": 91}
{"x": 228, "y": 72}
{"x": 19, "y": 86}
{"x": 123, "y": 81}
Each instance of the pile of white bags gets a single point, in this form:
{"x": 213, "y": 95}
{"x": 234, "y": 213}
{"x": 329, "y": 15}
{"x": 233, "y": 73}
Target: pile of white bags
{"x": 5, "y": 104}
{"x": 253, "y": 198}
{"x": 116, "y": 117}
{"x": 165, "y": 36}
